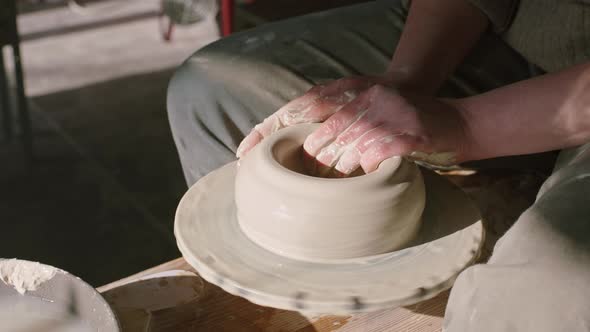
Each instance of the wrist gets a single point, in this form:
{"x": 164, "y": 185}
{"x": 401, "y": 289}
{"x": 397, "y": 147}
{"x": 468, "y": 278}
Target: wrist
{"x": 468, "y": 145}
{"x": 409, "y": 78}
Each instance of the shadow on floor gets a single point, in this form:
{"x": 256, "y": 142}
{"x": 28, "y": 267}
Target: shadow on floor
{"x": 100, "y": 199}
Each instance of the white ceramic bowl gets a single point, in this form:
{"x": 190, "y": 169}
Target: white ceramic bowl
{"x": 63, "y": 302}
{"x": 319, "y": 219}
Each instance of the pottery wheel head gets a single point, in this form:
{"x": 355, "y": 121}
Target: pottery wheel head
{"x": 213, "y": 242}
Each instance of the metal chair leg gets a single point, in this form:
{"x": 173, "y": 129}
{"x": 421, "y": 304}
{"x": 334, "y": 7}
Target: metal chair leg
{"x": 4, "y": 100}
{"x": 23, "y": 107}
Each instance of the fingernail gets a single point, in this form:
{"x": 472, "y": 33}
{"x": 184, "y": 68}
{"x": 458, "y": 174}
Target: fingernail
{"x": 239, "y": 152}
{"x": 241, "y": 149}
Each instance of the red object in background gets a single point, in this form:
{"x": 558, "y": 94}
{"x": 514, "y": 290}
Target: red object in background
{"x": 227, "y": 20}
{"x": 227, "y": 17}
{"x": 167, "y": 34}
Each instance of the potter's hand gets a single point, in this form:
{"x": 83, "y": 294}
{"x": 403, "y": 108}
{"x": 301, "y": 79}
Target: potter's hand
{"x": 381, "y": 123}
{"x": 316, "y": 105}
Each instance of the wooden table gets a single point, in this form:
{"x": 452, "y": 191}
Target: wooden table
{"x": 217, "y": 310}
{"x": 201, "y": 306}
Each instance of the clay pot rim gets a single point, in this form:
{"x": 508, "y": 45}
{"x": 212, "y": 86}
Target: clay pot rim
{"x": 383, "y": 171}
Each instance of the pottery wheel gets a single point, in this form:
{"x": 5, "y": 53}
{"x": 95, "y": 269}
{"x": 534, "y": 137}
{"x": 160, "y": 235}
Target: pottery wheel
{"x": 210, "y": 239}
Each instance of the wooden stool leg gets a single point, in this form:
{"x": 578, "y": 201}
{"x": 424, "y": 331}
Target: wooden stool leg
{"x": 23, "y": 107}
{"x": 4, "y": 100}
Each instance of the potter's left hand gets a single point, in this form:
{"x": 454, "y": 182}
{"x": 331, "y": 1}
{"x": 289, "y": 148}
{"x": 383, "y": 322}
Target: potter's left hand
{"x": 316, "y": 105}
{"x": 383, "y": 122}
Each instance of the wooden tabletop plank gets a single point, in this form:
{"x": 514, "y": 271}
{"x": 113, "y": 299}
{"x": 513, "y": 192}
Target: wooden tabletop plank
{"x": 221, "y": 311}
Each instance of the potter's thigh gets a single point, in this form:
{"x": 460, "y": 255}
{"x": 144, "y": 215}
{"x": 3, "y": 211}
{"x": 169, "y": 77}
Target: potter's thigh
{"x": 538, "y": 276}
{"x": 224, "y": 89}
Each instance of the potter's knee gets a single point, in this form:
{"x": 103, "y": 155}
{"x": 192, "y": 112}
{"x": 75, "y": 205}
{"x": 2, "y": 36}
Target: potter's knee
{"x": 485, "y": 286}
{"x": 463, "y": 288}
{"x": 189, "y": 90}
{"x": 185, "y": 81}
{"x": 518, "y": 297}
{"x": 479, "y": 299}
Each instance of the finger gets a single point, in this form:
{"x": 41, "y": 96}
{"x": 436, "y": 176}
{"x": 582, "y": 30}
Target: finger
{"x": 250, "y": 141}
{"x": 260, "y": 131}
{"x": 330, "y": 154}
{"x": 387, "y": 147}
{"x": 351, "y": 158}
{"x": 316, "y": 105}
{"x": 302, "y": 110}
{"x": 302, "y": 103}
{"x": 315, "y": 111}
{"x": 336, "y": 124}
{"x": 348, "y": 83}
{"x": 293, "y": 112}
{"x": 322, "y": 101}
{"x": 349, "y": 162}
{"x": 306, "y": 109}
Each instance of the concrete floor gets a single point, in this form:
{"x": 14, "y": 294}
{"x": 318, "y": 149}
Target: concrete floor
{"x": 100, "y": 197}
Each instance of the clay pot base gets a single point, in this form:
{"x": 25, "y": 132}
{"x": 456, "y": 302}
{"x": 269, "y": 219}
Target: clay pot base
{"x": 210, "y": 239}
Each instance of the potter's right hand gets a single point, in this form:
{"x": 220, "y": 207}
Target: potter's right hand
{"x": 315, "y": 106}
{"x": 382, "y": 123}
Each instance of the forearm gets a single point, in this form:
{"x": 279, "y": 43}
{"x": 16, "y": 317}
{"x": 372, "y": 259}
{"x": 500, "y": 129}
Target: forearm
{"x": 436, "y": 37}
{"x": 541, "y": 114}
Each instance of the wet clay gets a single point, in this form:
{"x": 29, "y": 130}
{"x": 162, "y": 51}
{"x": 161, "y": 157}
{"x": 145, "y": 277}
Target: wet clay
{"x": 291, "y": 155}
{"x": 24, "y": 275}
{"x": 286, "y": 211}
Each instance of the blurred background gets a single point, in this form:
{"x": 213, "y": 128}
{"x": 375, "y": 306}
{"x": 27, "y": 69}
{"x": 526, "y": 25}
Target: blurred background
{"x": 89, "y": 176}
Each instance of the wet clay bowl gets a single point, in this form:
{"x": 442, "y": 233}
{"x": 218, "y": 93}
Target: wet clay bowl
{"x": 303, "y": 217}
